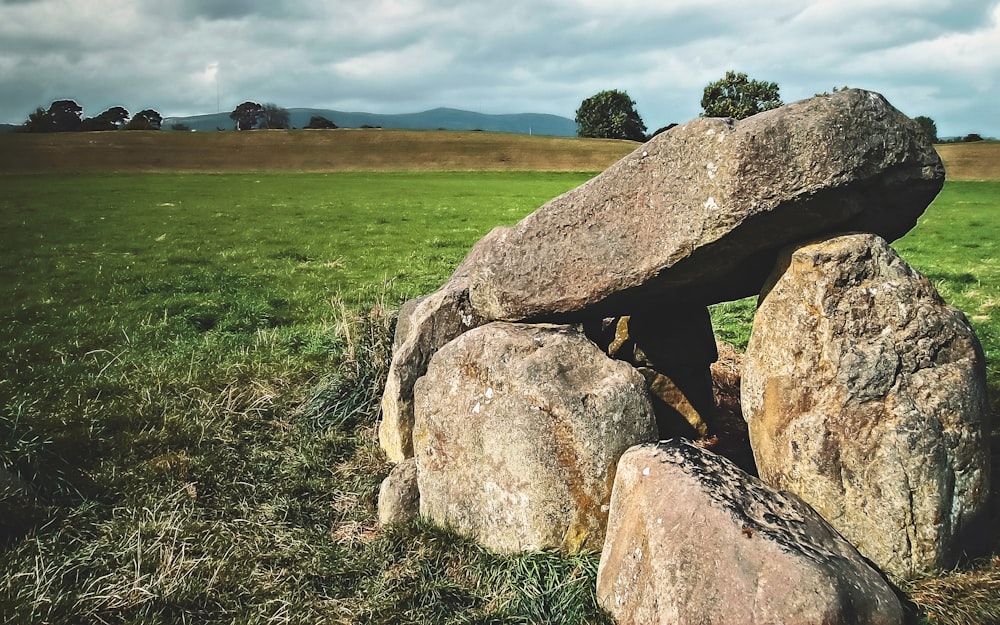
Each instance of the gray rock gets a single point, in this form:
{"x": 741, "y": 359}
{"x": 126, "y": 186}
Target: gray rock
{"x": 699, "y": 212}
{"x": 433, "y": 321}
{"x": 731, "y": 438}
{"x": 518, "y": 431}
{"x": 692, "y": 539}
{"x": 404, "y": 320}
{"x": 865, "y": 395}
{"x": 398, "y": 496}
{"x": 424, "y": 325}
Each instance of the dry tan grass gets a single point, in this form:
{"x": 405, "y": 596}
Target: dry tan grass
{"x": 358, "y": 150}
{"x": 304, "y": 151}
{"x": 971, "y": 161}
{"x": 970, "y": 597}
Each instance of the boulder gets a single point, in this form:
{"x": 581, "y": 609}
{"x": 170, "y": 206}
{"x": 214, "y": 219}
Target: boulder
{"x": 432, "y": 321}
{"x": 424, "y": 325}
{"x": 699, "y": 212}
{"x": 865, "y": 395}
{"x": 398, "y": 497}
{"x": 693, "y": 539}
{"x": 518, "y": 432}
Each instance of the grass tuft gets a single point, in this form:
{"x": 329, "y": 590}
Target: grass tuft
{"x": 434, "y": 575}
{"x": 962, "y": 597}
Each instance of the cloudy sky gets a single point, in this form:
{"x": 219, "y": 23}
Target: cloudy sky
{"x": 939, "y": 58}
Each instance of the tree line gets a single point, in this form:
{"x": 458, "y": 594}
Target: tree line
{"x": 67, "y": 116}
{"x": 612, "y": 115}
{"x": 253, "y": 116}
{"x": 608, "y": 114}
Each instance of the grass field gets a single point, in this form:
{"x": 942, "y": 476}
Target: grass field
{"x": 188, "y": 394}
{"x": 979, "y": 160}
{"x": 303, "y": 151}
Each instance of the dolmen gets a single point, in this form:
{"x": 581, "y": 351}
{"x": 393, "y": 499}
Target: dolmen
{"x": 563, "y": 389}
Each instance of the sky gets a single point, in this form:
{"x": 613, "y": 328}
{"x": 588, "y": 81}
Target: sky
{"x": 937, "y": 58}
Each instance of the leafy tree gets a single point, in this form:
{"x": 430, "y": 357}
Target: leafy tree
{"x": 247, "y": 115}
{"x": 111, "y": 119}
{"x": 320, "y": 122}
{"x": 610, "y": 115}
{"x": 971, "y": 137}
{"x": 928, "y": 126}
{"x": 62, "y": 116}
{"x": 737, "y": 96}
{"x": 39, "y": 121}
{"x": 273, "y": 116}
{"x": 147, "y": 119}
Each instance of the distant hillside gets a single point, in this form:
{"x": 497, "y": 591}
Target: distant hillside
{"x": 8, "y": 128}
{"x": 436, "y": 119}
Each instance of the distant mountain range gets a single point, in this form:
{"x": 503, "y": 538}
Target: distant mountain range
{"x": 436, "y": 119}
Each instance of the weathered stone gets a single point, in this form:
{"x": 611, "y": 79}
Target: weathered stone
{"x": 865, "y": 395}
{"x": 398, "y": 496}
{"x": 699, "y": 212}
{"x": 404, "y": 318}
{"x": 433, "y": 321}
{"x": 518, "y": 431}
{"x": 692, "y": 539}
{"x": 730, "y": 437}
{"x": 424, "y": 325}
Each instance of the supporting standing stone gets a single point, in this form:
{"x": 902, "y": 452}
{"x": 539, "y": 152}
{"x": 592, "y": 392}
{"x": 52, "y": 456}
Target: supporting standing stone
{"x": 518, "y": 432}
{"x": 866, "y": 396}
{"x": 424, "y": 325}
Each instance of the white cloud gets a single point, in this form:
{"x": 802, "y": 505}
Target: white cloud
{"x": 422, "y": 57}
{"x": 933, "y": 57}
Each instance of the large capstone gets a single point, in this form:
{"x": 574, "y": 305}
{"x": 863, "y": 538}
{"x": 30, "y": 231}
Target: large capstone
{"x": 699, "y": 213}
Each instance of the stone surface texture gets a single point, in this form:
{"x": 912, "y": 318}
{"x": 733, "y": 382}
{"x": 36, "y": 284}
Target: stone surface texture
{"x": 692, "y": 539}
{"x": 865, "y": 395}
{"x": 518, "y": 432}
{"x": 432, "y": 322}
{"x": 730, "y": 436}
{"x": 424, "y": 325}
{"x": 398, "y": 497}
{"x": 698, "y": 213}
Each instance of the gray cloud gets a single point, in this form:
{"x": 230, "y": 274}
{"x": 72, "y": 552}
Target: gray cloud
{"x": 930, "y": 57}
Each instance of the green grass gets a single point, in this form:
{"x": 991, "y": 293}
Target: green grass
{"x": 955, "y": 244}
{"x": 189, "y": 393}
{"x": 190, "y": 368}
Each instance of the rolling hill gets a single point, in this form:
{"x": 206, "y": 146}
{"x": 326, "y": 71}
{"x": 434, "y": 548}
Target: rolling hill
{"x": 435, "y": 119}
